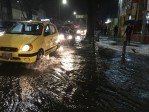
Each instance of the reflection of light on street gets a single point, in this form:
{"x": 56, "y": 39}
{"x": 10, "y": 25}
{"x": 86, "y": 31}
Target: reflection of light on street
{"x": 67, "y": 59}
{"x": 61, "y": 48}
{"x": 78, "y": 38}
{"x": 26, "y": 88}
{"x": 47, "y": 57}
{"x": 128, "y": 59}
{"x": 44, "y": 63}
{"x": 59, "y": 70}
{"x": 67, "y": 62}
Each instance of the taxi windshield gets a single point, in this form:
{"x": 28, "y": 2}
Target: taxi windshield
{"x": 26, "y": 28}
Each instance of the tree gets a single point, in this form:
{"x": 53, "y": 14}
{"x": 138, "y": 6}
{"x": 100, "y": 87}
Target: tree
{"x": 90, "y": 21}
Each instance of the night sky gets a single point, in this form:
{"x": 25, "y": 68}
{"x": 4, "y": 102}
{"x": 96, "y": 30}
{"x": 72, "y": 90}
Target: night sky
{"x": 52, "y": 7}
{"x": 104, "y": 8}
{"x": 107, "y": 8}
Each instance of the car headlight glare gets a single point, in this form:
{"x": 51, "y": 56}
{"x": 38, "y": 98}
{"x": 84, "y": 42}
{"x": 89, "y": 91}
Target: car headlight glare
{"x": 78, "y": 31}
{"x": 2, "y": 33}
{"x": 26, "y": 48}
{"x": 61, "y": 37}
{"x": 70, "y": 37}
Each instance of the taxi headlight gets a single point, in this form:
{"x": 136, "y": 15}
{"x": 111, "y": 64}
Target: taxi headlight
{"x": 27, "y": 48}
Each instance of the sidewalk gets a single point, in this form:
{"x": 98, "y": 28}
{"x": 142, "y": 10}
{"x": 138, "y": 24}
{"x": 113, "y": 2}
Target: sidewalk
{"x": 131, "y": 77}
{"x": 117, "y": 44}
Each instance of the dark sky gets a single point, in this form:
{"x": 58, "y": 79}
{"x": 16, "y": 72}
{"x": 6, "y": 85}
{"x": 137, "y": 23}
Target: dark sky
{"x": 53, "y": 6}
{"x": 107, "y": 8}
{"x": 104, "y": 8}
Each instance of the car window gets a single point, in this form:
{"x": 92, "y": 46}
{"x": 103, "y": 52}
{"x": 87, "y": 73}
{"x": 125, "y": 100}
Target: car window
{"x": 17, "y": 28}
{"x": 47, "y": 30}
{"x": 26, "y": 28}
{"x": 52, "y": 29}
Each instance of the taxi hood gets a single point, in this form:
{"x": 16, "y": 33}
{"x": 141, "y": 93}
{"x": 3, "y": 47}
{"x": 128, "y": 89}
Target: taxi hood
{"x": 16, "y": 40}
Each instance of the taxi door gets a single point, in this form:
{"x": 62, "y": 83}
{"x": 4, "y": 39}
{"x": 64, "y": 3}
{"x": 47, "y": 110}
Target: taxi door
{"x": 54, "y": 35}
{"x": 47, "y": 39}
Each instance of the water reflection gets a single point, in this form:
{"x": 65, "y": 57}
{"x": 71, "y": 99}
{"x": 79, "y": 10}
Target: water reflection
{"x": 43, "y": 85}
{"x": 78, "y": 38}
{"x": 26, "y": 88}
{"x": 67, "y": 62}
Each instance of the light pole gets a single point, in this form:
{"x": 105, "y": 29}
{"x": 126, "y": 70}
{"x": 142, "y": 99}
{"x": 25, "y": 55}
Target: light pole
{"x": 74, "y": 13}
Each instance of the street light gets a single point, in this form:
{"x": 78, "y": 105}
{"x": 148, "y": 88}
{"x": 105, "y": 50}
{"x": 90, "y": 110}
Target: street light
{"x": 74, "y": 13}
{"x": 64, "y": 1}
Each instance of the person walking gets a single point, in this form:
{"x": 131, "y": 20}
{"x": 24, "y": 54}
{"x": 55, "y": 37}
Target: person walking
{"x": 128, "y": 32}
{"x": 115, "y": 30}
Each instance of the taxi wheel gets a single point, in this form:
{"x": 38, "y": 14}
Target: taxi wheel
{"x": 39, "y": 55}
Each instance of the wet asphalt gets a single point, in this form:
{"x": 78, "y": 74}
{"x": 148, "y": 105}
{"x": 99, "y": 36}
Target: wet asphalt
{"x": 74, "y": 80}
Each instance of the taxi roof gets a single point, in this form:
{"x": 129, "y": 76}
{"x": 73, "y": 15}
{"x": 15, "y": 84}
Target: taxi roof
{"x": 34, "y": 21}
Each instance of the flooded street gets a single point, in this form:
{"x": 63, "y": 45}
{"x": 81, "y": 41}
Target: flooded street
{"x": 69, "y": 82}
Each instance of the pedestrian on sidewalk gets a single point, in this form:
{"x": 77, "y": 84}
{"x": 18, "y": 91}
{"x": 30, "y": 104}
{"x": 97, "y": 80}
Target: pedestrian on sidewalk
{"x": 98, "y": 35}
{"x": 128, "y": 32}
{"x": 115, "y": 30}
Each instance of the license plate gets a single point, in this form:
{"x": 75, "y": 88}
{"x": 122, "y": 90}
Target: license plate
{"x": 7, "y": 55}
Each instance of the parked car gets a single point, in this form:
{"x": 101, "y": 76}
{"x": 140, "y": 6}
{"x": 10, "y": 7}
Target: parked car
{"x": 28, "y": 41}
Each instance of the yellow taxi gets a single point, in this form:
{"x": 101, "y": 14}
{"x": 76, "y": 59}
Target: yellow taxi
{"x": 28, "y": 41}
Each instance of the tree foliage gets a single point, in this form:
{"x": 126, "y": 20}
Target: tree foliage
{"x": 90, "y": 22}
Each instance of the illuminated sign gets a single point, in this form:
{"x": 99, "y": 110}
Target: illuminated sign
{"x": 80, "y": 16}
{"x": 45, "y": 19}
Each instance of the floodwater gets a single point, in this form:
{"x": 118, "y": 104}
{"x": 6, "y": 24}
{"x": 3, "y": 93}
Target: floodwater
{"x": 70, "y": 82}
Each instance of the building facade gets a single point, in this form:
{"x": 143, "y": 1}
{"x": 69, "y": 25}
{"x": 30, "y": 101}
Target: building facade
{"x": 137, "y": 13}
